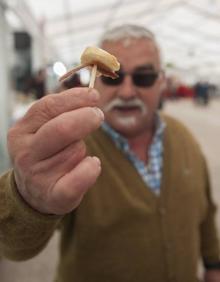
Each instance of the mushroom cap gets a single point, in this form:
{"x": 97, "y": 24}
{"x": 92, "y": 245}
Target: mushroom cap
{"x": 107, "y": 64}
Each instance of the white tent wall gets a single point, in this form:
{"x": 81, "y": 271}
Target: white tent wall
{"x": 193, "y": 27}
{"x": 4, "y": 89}
{"x": 188, "y": 31}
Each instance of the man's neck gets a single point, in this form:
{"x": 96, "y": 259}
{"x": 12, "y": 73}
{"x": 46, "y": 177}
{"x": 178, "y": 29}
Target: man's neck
{"x": 140, "y": 144}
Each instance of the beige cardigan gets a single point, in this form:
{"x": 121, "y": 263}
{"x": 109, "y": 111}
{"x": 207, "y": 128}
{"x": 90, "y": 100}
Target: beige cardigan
{"x": 122, "y": 232}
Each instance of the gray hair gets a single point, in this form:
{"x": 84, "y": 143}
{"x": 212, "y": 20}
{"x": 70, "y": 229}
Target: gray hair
{"x": 126, "y": 32}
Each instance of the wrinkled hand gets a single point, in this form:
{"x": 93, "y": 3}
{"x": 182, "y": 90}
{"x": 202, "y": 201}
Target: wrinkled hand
{"x": 52, "y": 171}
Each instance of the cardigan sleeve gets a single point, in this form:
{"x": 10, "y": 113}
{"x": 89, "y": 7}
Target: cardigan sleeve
{"x": 210, "y": 248}
{"x": 23, "y": 231}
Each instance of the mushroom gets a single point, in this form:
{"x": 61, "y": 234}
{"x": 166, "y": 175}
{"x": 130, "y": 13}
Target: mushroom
{"x": 102, "y": 63}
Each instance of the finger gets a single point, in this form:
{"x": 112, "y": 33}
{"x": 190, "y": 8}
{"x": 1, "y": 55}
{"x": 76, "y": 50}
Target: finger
{"x": 60, "y": 164}
{"x": 55, "y": 104}
{"x": 69, "y": 190}
{"x": 63, "y": 130}
{"x": 45, "y": 174}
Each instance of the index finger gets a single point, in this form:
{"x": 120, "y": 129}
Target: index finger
{"x": 54, "y": 105}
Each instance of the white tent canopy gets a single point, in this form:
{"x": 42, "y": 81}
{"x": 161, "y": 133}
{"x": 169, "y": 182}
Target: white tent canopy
{"x": 187, "y": 31}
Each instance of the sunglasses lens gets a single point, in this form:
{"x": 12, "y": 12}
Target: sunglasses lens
{"x": 140, "y": 79}
{"x": 144, "y": 79}
{"x": 112, "y": 82}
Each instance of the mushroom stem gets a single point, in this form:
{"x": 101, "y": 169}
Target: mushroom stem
{"x": 71, "y": 72}
{"x": 93, "y": 76}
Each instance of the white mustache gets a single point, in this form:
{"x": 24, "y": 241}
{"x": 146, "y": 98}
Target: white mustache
{"x": 118, "y": 102}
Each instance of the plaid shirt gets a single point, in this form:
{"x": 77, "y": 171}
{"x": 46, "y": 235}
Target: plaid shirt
{"x": 152, "y": 172}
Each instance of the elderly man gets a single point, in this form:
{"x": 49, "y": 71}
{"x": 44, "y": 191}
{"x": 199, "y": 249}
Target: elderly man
{"x": 149, "y": 215}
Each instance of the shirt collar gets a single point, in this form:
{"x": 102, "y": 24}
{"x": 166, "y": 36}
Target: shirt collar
{"x": 121, "y": 141}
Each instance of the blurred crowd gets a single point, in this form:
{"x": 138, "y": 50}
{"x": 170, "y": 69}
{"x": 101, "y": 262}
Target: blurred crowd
{"x": 201, "y": 92}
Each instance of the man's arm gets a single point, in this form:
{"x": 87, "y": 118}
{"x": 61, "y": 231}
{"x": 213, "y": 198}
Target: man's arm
{"x": 51, "y": 172}
{"x": 23, "y": 231}
{"x": 209, "y": 238}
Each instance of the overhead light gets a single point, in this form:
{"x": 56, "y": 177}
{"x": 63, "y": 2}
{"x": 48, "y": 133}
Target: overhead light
{"x": 59, "y": 68}
{"x": 84, "y": 76}
{"x": 13, "y": 20}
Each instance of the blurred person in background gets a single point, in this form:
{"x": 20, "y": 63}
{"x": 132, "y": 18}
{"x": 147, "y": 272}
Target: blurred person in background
{"x": 201, "y": 90}
{"x": 184, "y": 91}
{"x": 172, "y": 83}
{"x": 149, "y": 215}
{"x": 37, "y": 84}
{"x": 73, "y": 81}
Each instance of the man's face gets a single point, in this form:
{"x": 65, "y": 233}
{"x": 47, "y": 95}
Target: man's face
{"x": 129, "y": 107}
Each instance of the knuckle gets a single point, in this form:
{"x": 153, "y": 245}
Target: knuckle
{"x": 80, "y": 149}
{"x": 22, "y": 160}
{"x": 16, "y": 142}
{"x": 49, "y": 105}
{"x": 12, "y": 133}
{"x": 74, "y": 154}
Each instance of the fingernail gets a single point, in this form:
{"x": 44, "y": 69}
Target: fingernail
{"x": 99, "y": 112}
{"x": 94, "y": 93}
{"x": 97, "y": 160}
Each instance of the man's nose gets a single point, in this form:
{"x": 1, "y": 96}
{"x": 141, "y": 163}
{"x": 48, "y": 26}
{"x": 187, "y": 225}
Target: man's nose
{"x": 127, "y": 89}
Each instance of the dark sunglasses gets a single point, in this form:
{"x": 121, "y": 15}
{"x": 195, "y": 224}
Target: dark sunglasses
{"x": 140, "y": 78}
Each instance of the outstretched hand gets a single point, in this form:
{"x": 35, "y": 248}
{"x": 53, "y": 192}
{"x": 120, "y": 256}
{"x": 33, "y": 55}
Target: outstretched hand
{"x": 52, "y": 171}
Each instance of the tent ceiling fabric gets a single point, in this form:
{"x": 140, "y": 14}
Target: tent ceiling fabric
{"x": 187, "y": 31}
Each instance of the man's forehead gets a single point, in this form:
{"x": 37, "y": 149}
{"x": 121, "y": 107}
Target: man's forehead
{"x": 141, "y": 51}
{"x": 128, "y": 42}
